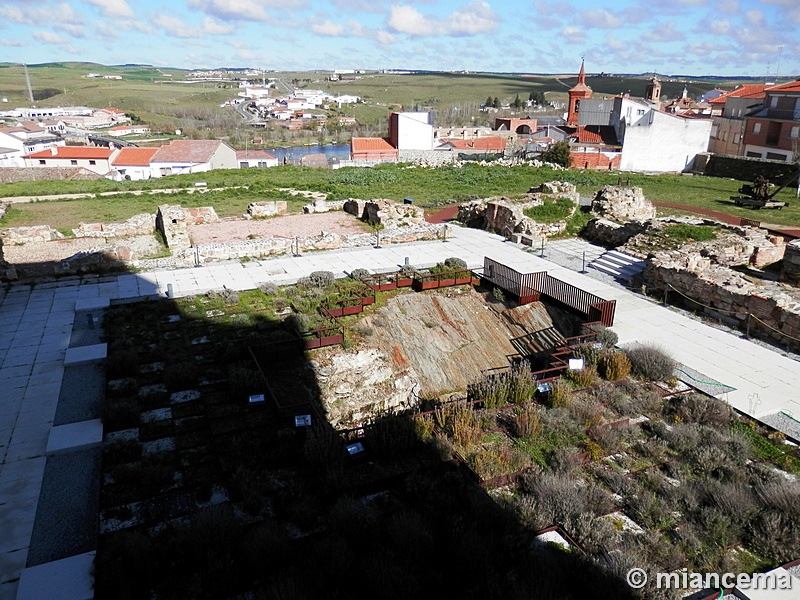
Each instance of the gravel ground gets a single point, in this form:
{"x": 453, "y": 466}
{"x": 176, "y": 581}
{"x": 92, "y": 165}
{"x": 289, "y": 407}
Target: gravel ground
{"x": 83, "y": 388}
{"x": 66, "y": 518}
{"x": 287, "y": 226}
{"x": 50, "y": 251}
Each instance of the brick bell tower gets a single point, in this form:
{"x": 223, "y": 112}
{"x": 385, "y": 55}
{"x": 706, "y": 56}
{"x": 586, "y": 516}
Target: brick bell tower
{"x": 576, "y": 94}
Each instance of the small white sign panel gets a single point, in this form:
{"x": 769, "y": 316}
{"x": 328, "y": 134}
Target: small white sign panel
{"x": 354, "y": 449}
{"x": 256, "y": 399}
{"x": 302, "y": 421}
{"x": 575, "y": 364}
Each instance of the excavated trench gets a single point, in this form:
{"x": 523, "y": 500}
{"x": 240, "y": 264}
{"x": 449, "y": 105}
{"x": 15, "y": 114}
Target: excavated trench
{"x": 431, "y": 344}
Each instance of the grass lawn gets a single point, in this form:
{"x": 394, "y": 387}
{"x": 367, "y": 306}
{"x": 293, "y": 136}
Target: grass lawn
{"x": 430, "y": 188}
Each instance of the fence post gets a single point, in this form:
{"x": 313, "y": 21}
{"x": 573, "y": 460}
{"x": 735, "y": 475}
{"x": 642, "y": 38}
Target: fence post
{"x": 747, "y": 333}
{"x": 583, "y": 263}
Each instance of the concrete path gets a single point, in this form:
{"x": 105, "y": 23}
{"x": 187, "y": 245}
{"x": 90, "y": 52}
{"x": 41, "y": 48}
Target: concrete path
{"x": 36, "y": 323}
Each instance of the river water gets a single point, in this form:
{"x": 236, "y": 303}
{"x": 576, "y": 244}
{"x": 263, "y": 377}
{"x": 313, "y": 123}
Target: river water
{"x": 293, "y": 154}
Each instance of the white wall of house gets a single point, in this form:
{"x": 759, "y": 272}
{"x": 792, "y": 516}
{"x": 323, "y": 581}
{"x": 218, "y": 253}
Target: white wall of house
{"x": 164, "y": 169}
{"x": 135, "y": 173}
{"x": 224, "y": 157}
{"x": 414, "y": 131}
{"x": 768, "y": 152}
{"x": 660, "y": 142}
{"x": 247, "y": 163}
{"x": 101, "y": 166}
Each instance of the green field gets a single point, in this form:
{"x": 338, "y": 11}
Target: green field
{"x": 430, "y": 188}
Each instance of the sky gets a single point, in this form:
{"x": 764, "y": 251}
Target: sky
{"x": 692, "y": 37}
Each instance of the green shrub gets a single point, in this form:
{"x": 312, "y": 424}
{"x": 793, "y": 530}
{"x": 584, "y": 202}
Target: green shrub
{"x": 180, "y": 376}
{"x": 269, "y": 288}
{"x": 124, "y": 363}
{"x": 497, "y": 294}
{"x": 605, "y": 336}
{"x": 560, "y": 395}
{"x": 582, "y": 378}
{"x": 229, "y": 296}
{"x": 359, "y": 273}
{"x": 651, "y": 362}
{"x": 243, "y": 382}
{"x": 321, "y": 278}
{"x": 455, "y": 263}
{"x": 614, "y": 365}
{"x": 526, "y": 422}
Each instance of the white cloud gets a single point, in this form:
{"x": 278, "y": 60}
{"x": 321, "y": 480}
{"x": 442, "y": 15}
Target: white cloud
{"x": 385, "y": 38}
{"x": 574, "y": 35}
{"x": 328, "y": 29}
{"x": 754, "y": 18}
{"x": 12, "y": 43}
{"x": 664, "y": 33}
{"x": 213, "y": 27}
{"x": 406, "y": 19}
{"x": 600, "y": 19}
{"x": 78, "y": 31}
{"x": 720, "y": 27}
{"x": 48, "y": 37}
{"x": 175, "y": 27}
{"x": 470, "y": 19}
{"x": 239, "y": 10}
{"x": 112, "y": 8}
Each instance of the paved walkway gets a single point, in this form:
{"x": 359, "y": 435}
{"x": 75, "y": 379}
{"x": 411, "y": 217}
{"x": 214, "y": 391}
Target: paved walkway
{"x": 36, "y": 323}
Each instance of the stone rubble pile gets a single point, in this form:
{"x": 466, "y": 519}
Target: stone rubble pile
{"x": 623, "y": 204}
{"x": 506, "y": 217}
{"x": 173, "y": 222}
{"x": 32, "y": 234}
{"x": 267, "y": 208}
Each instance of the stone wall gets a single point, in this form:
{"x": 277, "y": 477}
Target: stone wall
{"x": 742, "y": 168}
{"x": 427, "y": 157}
{"x": 505, "y": 217}
{"x": 173, "y": 221}
{"x": 772, "y": 309}
{"x": 262, "y": 248}
{"x": 12, "y": 236}
{"x": 623, "y": 204}
{"x": 141, "y": 224}
{"x": 790, "y": 272}
{"x": 321, "y": 206}
{"x": 14, "y": 174}
{"x": 385, "y": 212}
{"x": 613, "y": 235}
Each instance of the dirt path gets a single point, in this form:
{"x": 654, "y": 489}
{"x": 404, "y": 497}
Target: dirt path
{"x": 287, "y": 226}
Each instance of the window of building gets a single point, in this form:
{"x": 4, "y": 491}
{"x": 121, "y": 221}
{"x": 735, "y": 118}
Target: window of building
{"x": 244, "y": 165}
{"x": 640, "y": 112}
{"x": 794, "y": 132}
{"x": 756, "y": 128}
{"x": 736, "y": 138}
{"x": 752, "y": 154}
{"x": 92, "y": 162}
{"x": 262, "y": 164}
{"x": 42, "y": 162}
{"x": 73, "y": 162}
{"x": 773, "y": 102}
{"x": 775, "y": 156}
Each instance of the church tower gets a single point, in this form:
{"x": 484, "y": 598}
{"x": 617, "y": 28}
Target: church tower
{"x": 576, "y": 94}
{"x": 653, "y": 90}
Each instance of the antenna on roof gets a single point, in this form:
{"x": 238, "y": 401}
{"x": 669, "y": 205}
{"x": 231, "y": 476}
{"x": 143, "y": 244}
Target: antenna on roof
{"x": 778, "y": 67}
{"x": 28, "y": 81}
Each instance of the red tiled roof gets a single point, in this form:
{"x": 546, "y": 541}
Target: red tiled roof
{"x": 254, "y": 154}
{"x": 485, "y": 143}
{"x": 792, "y": 86}
{"x": 750, "y": 90}
{"x": 187, "y": 151}
{"x": 370, "y": 145}
{"x": 596, "y": 134}
{"x": 71, "y": 152}
{"x": 134, "y": 157}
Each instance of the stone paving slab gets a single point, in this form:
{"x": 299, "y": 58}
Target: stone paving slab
{"x": 66, "y": 579}
{"x": 75, "y": 436}
{"x": 85, "y": 354}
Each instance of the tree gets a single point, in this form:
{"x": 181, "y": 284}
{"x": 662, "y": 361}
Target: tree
{"x": 558, "y": 154}
{"x": 537, "y": 97}
{"x": 489, "y": 102}
{"x": 517, "y": 104}
{"x": 496, "y": 102}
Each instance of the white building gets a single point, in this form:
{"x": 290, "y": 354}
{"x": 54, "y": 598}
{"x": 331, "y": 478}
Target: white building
{"x": 17, "y": 141}
{"x": 192, "y": 156}
{"x": 255, "y": 159}
{"x": 346, "y": 99}
{"x": 651, "y": 140}
{"x": 411, "y": 130}
{"x": 93, "y": 158}
{"x": 133, "y": 163}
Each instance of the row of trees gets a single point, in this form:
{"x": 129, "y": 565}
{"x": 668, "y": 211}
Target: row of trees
{"x": 536, "y": 97}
